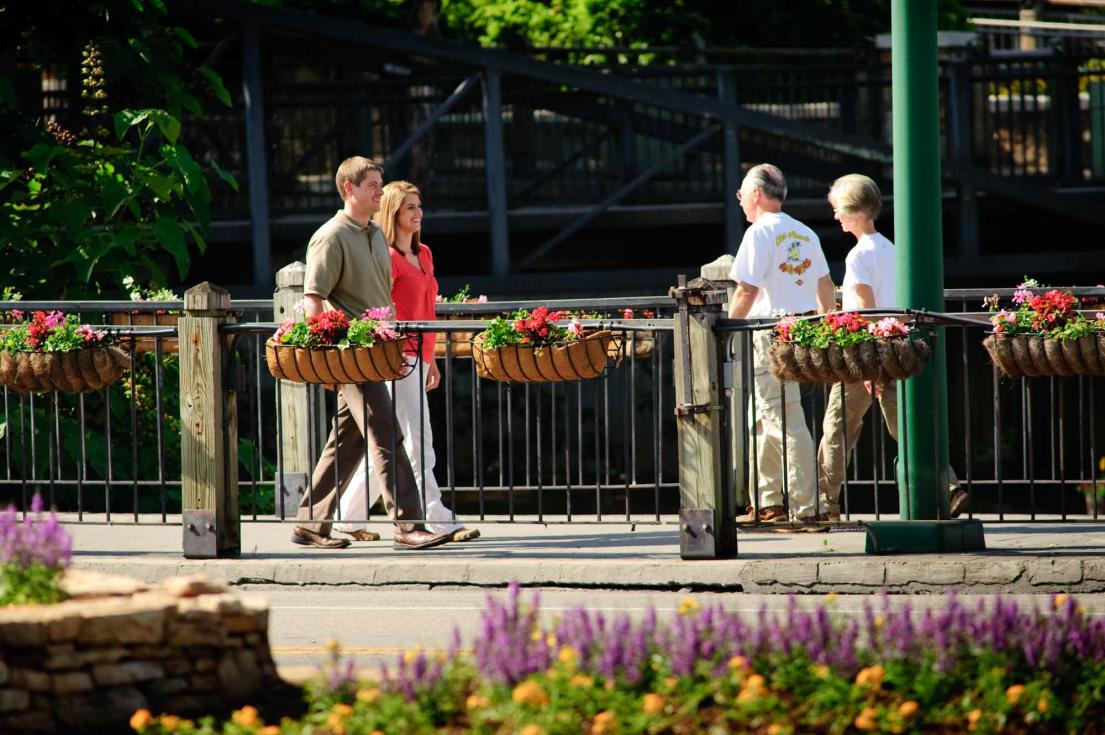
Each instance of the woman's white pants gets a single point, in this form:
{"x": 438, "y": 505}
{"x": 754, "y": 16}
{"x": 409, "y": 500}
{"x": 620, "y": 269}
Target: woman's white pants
{"x": 362, "y": 492}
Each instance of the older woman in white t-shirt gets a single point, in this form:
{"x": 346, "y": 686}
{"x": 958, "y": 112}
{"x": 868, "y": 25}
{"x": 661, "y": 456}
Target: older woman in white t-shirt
{"x": 869, "y": 283}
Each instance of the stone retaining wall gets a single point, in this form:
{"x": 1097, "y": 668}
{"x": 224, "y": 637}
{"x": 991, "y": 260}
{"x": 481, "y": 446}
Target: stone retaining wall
{"x": 186, "y": 646}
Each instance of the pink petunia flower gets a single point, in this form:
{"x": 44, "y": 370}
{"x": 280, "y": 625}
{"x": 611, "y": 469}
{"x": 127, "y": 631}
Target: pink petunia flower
{"x": 377, "y": 313}
{"x": 575, "y": 327}
{"x": 482, "y": 299}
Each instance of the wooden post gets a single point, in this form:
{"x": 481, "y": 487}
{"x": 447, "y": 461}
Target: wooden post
{"x": 294, "y": 464}
{"x": 209, "y": 428}
{"x": 707, "y": 515}
{"x": 733, "y": 362}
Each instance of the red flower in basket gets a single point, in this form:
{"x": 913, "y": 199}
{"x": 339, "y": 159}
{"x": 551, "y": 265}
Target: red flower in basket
{"x": 328, "y": 327}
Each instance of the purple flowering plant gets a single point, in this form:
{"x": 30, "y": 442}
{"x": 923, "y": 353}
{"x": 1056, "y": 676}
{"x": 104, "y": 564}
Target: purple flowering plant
{"x": 985, "y": 668}
{"x": 34, "y": 552}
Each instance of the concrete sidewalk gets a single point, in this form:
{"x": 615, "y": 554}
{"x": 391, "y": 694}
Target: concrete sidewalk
{"x": 1021, "y": 557}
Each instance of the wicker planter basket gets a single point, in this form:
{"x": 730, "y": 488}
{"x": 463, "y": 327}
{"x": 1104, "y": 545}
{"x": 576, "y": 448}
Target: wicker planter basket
{"x": 581, "y": 360}
{"x": 169, "y": 345}
{"x": 76, "y": 372}
{"x": 890, "y": 358}
{"x": 1033, "y": 355}
{"x": 643, "y": 345}
{"x": 332, "y": 365}
{"x": 461, "y": 342}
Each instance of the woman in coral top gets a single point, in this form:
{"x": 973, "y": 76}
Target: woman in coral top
{"x": 414, "y": 291}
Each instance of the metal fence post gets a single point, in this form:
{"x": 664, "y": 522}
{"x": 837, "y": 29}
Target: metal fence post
{"x": 209, "y": 428}
{"x": 707, "y": 515}
{"x": 294, "y": 459}
{"x": 731, "y": 163}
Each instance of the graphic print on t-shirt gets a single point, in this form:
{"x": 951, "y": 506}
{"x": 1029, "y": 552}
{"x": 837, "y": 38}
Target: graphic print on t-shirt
{"x": 794, "y": 263}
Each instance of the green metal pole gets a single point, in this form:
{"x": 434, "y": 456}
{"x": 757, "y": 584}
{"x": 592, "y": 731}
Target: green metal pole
{"x": 922, "y": 400}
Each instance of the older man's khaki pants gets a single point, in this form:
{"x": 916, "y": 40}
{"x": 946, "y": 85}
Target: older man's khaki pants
{"x": 766, "y": 420}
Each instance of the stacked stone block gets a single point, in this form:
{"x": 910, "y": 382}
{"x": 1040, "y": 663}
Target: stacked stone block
{"x": 188, "y": 646}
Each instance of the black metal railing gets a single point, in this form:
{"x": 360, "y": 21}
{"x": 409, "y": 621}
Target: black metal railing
{"x": 600, "y": 450}
{"x": 1024, "y": 449}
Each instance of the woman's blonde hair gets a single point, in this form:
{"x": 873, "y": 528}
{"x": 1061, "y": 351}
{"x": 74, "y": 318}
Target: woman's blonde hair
{"x": 390, "y": 206}
{"x": 856, "y": 194}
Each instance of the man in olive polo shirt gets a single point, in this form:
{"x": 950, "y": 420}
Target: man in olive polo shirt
{"x": 349, "y": 268}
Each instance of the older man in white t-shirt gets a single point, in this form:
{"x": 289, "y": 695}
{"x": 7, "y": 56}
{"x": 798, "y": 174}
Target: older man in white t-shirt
{"x": 779, "y": 268}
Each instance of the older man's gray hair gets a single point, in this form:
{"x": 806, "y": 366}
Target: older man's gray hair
{"x": 768, "y": 179}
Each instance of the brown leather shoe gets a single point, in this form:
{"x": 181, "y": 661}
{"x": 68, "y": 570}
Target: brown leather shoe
{"x": 415, "y": 540}
{"x": 958, "y": 502}
{"x": 362, "y": 535}
{"x": 770, "y": 514}
{"x": 303, "y": 537}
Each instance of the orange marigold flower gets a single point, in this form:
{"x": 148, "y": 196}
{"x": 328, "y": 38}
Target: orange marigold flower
{"x": 1013, "y": 694}
{"x": 140, "y": 720}
{"x": 476, "y": 701}
{"x": 342, "y": 710}
{"x": 867, "y": 720}
{"x": 1043, "y": 705}
{"x": 821, "y": 671}
{"x": 755, "y": 682}
{"x": 738, "y": 663}
{"x": 908, "y": 709}
{"x": 269, "y": 730}
{"x": 530, "y": 692}
{"x": 169, "y": 722}
{"x": 567, "y": 656}
{"x": 972, "y": 718}
{"x": 652, "y": 704}
{"x": 336, "y": 724}
{"x": 246, "y": 717}
{"x": 368, "y": 696}
{"x": 776, "y": 729}
{"x": 532, "y": 730}
{"x": 871, "y": 676}
{"x": 582, "y": 681}
{"x": 605, "y": 723}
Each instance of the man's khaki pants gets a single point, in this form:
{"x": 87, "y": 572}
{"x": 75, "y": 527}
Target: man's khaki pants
{"x": 766, "y": 419}
{"x": 364, "y": 413}
{"x": 844, "y": 419}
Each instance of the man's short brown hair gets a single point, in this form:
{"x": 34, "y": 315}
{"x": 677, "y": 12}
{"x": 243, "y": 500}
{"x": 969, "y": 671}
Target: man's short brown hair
{"x": 354, "y": 170}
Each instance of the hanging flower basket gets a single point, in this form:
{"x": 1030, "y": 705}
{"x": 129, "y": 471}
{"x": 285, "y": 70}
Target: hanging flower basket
{"x": 581, "y": 359}
{"x": 1034, "y": 355}
{"x": 892, "y": 358}
{"x": 1045, "y": 335}
{"x": 52, "y": 351}
{"x": 329, "y": 348}
{"x": 78, "y": 371}
{"x": 857, "y": 350}
{"x": 336, "y": 365}
{"x": 169, "y": 345}
{"x": 460, "y": 342}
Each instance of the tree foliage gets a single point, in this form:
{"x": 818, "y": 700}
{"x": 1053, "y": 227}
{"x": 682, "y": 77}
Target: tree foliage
{"x": 100, "y": 186}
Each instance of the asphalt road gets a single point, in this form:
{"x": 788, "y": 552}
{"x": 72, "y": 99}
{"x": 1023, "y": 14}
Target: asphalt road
{"x": 374, "y": 625}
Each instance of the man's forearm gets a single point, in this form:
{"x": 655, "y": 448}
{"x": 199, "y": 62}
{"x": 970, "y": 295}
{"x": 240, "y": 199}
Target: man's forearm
{"x": 742, "y": 301}
{"x": 826, "y": 295}
{"x": 312, "y": 305}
